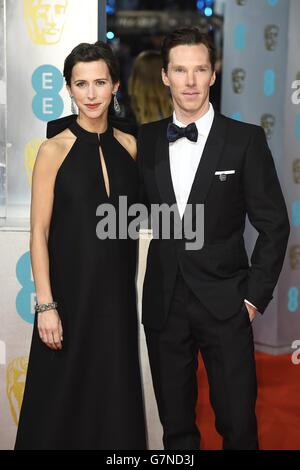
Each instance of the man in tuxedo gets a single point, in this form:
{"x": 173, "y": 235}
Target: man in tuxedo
{"x": 205, "y": 299}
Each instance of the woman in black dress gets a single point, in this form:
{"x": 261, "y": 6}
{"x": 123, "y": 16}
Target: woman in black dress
{"x": 83, "y": 386}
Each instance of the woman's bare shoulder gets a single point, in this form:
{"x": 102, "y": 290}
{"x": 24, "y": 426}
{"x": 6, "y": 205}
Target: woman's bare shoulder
{"x": 57, "y": 145}
{"x": 60, "y": 141}
{"x": 52, "y": 151}
{"x": 128, "y": 141}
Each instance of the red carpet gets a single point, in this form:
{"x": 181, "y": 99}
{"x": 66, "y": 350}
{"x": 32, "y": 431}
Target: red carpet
{"x": 278, "y": 405}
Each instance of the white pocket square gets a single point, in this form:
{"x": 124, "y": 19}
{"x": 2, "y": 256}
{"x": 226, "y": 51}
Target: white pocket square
{"x": 225, "y": 172}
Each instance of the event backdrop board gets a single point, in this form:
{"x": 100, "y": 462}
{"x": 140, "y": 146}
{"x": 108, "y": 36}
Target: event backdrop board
{"x": 39, "y": 36}
{"x": 261, "y": 42}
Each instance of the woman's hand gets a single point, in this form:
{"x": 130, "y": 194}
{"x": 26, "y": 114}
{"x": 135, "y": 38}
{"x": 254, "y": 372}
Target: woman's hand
{"x": 50, "y": 329}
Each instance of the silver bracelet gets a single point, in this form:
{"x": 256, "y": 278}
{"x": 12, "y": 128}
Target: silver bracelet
{"x": 43, "y": 307}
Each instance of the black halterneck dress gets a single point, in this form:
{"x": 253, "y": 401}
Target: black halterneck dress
{"x": 88, "y": 395}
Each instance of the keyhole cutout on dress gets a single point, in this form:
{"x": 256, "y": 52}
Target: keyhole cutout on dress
{"x": 104, "y": 173}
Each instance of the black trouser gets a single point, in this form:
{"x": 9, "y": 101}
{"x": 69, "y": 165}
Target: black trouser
{"x": 228, "y": 354}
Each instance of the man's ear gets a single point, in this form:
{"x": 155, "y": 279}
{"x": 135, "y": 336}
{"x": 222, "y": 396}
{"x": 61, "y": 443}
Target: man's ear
{"x": 164, "y": 77}
{"x": 213, "y": 79}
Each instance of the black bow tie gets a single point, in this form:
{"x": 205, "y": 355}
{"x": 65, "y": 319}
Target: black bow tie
{"x": 175, "y": 132}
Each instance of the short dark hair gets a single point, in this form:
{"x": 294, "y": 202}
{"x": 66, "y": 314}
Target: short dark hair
{"x": 187, "y": 36}
{"x": 86, "y": 52}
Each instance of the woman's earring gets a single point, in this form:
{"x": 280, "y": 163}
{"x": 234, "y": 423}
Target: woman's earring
{"x": 73, "y": 105}
{"x": 117, "y": 107}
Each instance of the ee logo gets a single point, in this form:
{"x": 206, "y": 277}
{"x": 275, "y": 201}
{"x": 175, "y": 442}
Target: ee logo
{"x": 293, "y": 302}
{"x": 296, "y": 214}
{"x": 47, "y": 82}
{"x": 26, "y": 297}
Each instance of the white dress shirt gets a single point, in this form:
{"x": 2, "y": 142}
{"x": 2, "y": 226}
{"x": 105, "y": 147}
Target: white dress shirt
{"x": 185, "y": 157}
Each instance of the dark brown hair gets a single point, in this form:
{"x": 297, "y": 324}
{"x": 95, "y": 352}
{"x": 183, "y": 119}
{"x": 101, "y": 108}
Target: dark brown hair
{"x": 187, "y": 37}
{"x": 86, "y": 52}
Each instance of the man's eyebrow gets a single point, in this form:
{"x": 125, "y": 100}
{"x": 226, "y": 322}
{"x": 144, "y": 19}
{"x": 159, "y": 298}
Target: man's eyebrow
{"x": 198, "y": 65}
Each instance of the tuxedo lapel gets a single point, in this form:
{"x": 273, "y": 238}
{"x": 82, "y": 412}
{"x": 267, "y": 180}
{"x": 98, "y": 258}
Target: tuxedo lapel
{"x": 209, "y": 161}
{"x": 206, "y": 168}
{"x": 162, "y": 167}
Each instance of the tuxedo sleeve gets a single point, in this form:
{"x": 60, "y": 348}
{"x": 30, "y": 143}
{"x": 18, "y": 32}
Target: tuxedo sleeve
{"x": 267, "y": 212}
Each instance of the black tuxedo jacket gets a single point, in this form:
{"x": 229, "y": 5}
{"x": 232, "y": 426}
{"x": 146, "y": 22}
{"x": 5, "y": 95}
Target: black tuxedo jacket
{"x": 219, "y": 273}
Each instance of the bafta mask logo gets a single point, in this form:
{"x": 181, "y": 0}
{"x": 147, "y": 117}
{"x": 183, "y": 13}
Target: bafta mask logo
{"x": 271, "y": 37}
{"x": 268, "y": 123}
{"x": 295, "y": 257}
{"x": 15, "y": 384}
{"x": 31, "y": 151}
{"x": 238, "y": 80}
{"x": 296, "y": 171}
{"x": 241, "y": 2}
{"x": 45, "y": 20}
